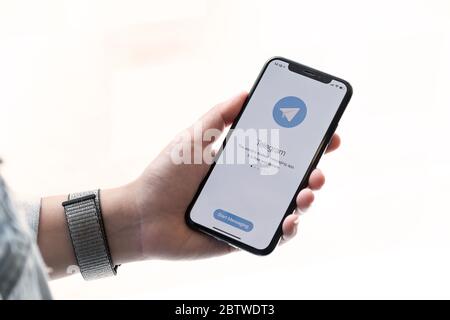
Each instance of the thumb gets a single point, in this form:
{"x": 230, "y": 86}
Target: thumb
{"x": 194, "y": 145}
{"x": 210, "y": 126}
{"x": 224, "y": 113}
{"x": 197, "y": 140}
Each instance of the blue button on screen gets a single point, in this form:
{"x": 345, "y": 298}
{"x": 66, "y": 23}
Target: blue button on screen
{"x": 233, "y": 220}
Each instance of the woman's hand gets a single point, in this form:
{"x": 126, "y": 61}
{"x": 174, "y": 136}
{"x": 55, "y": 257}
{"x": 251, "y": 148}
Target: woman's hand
{"x": 145, "y": 219}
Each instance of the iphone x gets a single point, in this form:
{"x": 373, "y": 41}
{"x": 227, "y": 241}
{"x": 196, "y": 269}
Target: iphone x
{"x": 271, "y": 149}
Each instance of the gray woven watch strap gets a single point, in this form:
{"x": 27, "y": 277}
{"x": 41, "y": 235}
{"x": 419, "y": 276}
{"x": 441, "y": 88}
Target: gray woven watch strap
{"x": 84, "y": 219}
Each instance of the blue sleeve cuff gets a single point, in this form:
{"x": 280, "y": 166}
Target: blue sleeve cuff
{"x": 32, "y": 213}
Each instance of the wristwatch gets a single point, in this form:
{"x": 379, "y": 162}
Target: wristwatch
{"x": 87, "y": 232}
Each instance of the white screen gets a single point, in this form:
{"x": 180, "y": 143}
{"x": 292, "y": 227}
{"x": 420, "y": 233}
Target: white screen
{"x": 247, "y": 201}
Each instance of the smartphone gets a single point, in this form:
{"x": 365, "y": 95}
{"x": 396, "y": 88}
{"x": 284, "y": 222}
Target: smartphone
{"x": 272, "y": 147}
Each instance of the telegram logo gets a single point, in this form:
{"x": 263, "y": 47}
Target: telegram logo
{"x": 289, "y": 112}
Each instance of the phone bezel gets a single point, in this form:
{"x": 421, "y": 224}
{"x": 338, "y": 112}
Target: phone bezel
{"x": 303, "y": 184}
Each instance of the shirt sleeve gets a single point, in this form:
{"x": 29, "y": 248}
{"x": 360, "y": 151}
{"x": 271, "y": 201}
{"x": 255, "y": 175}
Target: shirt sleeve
{"x": 32, "y": 213}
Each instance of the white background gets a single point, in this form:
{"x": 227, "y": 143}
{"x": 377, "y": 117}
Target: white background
{"x": 120, "y": 78}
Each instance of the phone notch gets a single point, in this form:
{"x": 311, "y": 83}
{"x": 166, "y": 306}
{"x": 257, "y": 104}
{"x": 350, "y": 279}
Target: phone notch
{"x": 309, "y": 72}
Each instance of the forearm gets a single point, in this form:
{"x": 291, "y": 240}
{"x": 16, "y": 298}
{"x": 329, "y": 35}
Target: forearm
{"x": 120, "y": 223}
{"x": 53, "y": 237}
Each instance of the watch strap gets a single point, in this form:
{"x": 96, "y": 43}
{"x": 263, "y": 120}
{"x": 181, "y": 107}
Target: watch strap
{"x": 86, "y": 229}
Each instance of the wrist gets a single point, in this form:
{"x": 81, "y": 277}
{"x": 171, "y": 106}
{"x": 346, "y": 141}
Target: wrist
{"x": 122, "y": 224}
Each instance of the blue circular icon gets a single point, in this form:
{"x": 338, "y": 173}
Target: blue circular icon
{"x": 289, "y": 112}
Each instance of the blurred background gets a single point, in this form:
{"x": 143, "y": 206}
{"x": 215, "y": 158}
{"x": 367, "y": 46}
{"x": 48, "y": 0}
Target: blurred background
{"x": 90, "y": 91}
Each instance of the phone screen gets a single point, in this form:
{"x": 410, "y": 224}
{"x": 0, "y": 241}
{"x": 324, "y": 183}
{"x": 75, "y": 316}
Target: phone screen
{"x": 267, "y": 154}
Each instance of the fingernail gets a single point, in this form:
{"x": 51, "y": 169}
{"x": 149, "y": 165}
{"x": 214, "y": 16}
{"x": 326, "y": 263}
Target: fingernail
{"x": 296, "y": 221}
